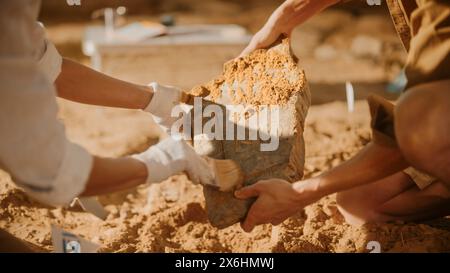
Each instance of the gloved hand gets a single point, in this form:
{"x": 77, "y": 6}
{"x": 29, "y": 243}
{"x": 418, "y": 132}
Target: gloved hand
{"x": 162, "y": 103}
{"x": 170, "y": 157}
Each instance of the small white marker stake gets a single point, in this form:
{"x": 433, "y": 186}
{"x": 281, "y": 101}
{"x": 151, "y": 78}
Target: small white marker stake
{"x": 66, "y": 242}
{"x": 92, "y": 205}
{"x": 350, "y": 93}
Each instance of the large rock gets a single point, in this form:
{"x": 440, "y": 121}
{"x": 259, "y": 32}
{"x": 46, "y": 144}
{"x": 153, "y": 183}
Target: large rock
{"x": 265, "y": 77}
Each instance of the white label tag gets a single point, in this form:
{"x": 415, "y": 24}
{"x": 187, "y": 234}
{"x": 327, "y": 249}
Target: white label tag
{"x": 66, "y": 242}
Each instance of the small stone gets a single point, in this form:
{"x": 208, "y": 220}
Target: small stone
{"x": 44, "y": 239}
{"x": 57, "y": 213}
{"x": 171, "y": 194}
{"x": 223, "y": 208}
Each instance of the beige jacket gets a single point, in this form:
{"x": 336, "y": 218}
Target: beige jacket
{"x": 33, "y": 145}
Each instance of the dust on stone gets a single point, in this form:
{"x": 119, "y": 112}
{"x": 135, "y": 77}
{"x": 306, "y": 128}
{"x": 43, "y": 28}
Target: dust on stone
{"x": 264, "y": 77}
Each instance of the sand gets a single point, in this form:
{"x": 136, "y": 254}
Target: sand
{"x": 263, "y": 77}
{"x": 177, "y": 222}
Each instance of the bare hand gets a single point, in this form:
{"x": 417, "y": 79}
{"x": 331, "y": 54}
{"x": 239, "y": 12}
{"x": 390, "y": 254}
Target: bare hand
{"x": 277, "y": 200}
{"x": 265, "y": 38}
{"x": 283, "y": 20}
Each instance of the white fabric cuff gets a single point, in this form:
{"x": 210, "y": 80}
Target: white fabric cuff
{"x": 51, "y": 62}
{"x": 163, "y": 100}
{"x": 157, "y": 163}
{"x": 71, "y": 179}
{"x": 156, "y": 99}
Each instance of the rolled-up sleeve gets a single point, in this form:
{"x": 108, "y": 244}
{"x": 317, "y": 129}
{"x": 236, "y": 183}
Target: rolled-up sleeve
{"x": 48, "y": 58}
{"x": 33, "y": 145}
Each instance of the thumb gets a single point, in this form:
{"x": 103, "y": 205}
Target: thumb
{"x": 252, "y": 46}
{"x": 247, "y": 192}
{"x": 245, "y": 52}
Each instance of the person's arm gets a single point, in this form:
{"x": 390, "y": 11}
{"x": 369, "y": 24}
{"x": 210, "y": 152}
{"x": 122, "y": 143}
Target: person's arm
{"x": 154, "y": 165}
{"x": 278, "y": 199}
{"x": 82, "y": 84}
{"x": 284, "y": 19}
{"x": 53, "y": 170}
{"x": 34, "y": 149}
{"x": 372, "y": 163}
{"x": 114, "y": 174}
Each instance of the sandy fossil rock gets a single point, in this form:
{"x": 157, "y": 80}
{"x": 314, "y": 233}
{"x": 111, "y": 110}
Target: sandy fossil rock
{"x": 265, "y": 77}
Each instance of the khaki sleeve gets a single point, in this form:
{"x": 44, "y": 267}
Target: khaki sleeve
{"x": 48, "y": 59}
{"x": 429, "y": 52}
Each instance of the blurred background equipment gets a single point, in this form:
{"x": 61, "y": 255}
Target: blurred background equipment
{"x": 148, "y": 40}
{"x": 167, "y": 20}
{"x": 113, "y": 17}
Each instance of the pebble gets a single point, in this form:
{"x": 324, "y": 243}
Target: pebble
{"x": 171, "y": 194}
{"x": 57, "y": 213}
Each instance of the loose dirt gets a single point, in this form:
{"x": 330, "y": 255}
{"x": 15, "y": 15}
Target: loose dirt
{"x": 264, "y": 77}
{"x": 177, "y": 219}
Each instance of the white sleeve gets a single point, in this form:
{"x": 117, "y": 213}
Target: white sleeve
{"x": 33, "y": 146}
{"x": 48, "y": 58}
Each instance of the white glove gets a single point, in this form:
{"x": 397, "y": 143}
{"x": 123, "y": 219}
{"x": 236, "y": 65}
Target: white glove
{"x": 162, "y": 103}
{"x": 170, "y": 157}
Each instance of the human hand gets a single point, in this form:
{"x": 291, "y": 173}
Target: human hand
{"x": 283, "y": 20}
{"x": 170, "y": 157}
{"x": 163, "y": 100}
{"x": 268, "y": 36}
{"x": 277, "y": 200}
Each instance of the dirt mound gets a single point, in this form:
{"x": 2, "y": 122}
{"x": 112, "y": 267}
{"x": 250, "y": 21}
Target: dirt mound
{"x": 264, "y": 77}
{"x": 176, "y": 219}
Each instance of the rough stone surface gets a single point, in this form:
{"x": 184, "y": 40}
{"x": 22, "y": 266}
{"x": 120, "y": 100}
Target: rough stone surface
{"x": 280, "y": 82}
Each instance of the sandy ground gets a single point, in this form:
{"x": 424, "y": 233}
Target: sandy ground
{"x": 333, "y": 47}
{"x": 176, "y": 220}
